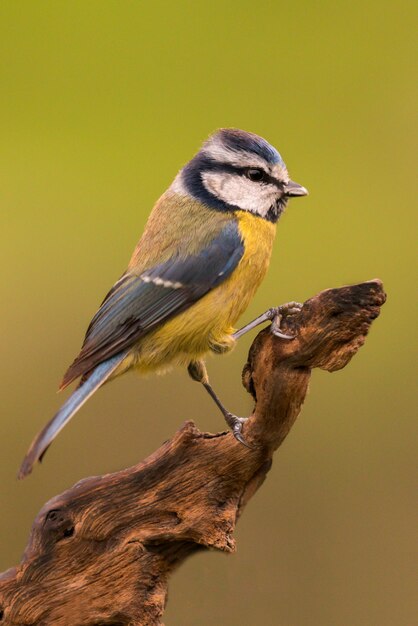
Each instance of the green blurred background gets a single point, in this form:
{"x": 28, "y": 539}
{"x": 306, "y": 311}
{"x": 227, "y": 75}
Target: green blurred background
{"x": 100, "y": 104}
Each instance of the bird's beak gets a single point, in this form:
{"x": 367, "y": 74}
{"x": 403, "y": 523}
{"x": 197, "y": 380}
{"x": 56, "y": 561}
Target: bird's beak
{"x": 293, "y": 189}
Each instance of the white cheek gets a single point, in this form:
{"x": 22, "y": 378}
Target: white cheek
{"x": 241, "y": 192}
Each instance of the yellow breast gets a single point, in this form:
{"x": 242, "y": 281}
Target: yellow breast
{"x": 232, "y": 297}
{"x": 209, "y": 323}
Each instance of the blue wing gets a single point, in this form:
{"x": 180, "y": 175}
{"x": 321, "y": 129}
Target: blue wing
{"x": 138, "y": 304}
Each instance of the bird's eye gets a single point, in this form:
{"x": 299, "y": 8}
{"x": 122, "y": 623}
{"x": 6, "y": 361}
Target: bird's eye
{"x": 255, "y": 174}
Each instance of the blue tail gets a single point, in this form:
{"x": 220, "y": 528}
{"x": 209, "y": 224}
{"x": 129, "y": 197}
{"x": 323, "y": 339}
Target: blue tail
{"x": 43, "y": 439}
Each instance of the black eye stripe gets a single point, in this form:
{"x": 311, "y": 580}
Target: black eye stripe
{"x": 265, "y": 178}
{"x": 255, "y": 174}
{"x": 208, "y": 165}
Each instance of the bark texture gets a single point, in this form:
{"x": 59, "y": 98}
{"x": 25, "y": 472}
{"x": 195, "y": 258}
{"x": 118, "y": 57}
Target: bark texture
{"x": 102, "y": 552}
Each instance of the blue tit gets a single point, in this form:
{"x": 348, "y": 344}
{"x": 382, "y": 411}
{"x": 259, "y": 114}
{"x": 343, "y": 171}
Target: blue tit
{"x": 205, "y": 250}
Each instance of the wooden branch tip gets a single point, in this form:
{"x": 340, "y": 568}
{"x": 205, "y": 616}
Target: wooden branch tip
{"x": 102, "y": 551}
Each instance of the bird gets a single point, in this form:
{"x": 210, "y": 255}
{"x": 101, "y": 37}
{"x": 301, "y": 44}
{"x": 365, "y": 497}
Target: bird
{"x": 205, "y": 250}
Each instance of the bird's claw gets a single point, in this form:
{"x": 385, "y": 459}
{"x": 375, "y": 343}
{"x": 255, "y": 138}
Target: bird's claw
{"x": 235, "y": 424}
{"x": 278, "y": 313}
{"x": 277, "y": 333}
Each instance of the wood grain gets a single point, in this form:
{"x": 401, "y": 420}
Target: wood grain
{"x": 102, "y": 552}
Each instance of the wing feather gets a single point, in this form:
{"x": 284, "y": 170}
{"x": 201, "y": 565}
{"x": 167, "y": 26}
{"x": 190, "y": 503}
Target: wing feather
{"x": 138, "y": 304}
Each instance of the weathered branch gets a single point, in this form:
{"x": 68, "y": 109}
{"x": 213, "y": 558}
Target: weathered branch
{"x": 102, "y": 552}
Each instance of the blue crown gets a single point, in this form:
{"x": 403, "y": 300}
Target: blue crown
{"x": 241, "y": 141}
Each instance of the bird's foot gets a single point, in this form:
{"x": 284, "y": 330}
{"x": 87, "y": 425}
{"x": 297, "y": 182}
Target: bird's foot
{"x": 236, "y": 423}
{"x": 276, "y": 314}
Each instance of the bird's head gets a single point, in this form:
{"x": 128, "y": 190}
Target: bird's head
{"x": 239, "y": 170}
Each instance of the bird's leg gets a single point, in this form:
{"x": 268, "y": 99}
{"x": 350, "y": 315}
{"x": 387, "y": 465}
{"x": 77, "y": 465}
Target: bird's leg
{"x": 197, "y": 371}
{"x": 275, "y": 316}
